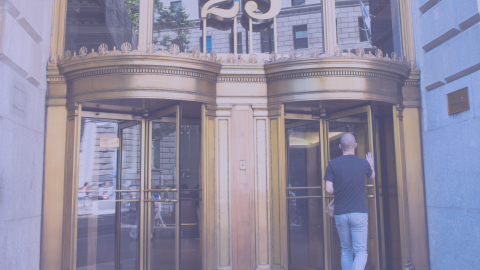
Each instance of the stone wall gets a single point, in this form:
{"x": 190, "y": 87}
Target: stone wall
{"x": 24, "y": 50}
{"x": 447, "y": 42}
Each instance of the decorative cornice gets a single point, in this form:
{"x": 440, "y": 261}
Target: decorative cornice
{"x": 338, "y": 91}
{"x": 332, "y": 73}
{"x": 141, "y": 89}
{"x": 144, "y": 71}
{"x": 274, "y": 107}
{"x": 411, "y": 83}
{"x": 241, "y": 79}
{"x": 218, "y": 108}
{"x": 231, "y": 59}
{"x": 339, "y": 53}
{"x": 126, "y": 49}
{"x": 55, "y": 79}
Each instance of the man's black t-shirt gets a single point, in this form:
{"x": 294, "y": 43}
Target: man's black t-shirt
{"x": 347, "y": 173}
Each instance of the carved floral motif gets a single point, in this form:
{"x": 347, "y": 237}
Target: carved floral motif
{"x": 231, "y": 59}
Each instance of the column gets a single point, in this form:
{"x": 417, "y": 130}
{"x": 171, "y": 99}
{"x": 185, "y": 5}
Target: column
{"x": 262, "y": 187}
{"x": 216, "y": 186}
{"x": 414, "y": 172}
{"x": 56, "y": 126}
{"x": 277, "y": 177}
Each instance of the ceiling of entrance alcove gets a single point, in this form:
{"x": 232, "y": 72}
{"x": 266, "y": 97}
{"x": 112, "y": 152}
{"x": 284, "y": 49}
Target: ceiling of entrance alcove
{"x": 190, "y": 109}
{"x": 313, "y": 106}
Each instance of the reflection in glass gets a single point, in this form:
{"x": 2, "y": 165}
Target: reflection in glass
{"x": 377, "y": 27}
{"x": 161, "y": 235}
{"x": 163, "y": 154}
{"x": 305, "y": 215}
{"x": 161, "y": 215}
{"x": 92, "y": 23}
{"x": 107, "y": 230}
{"x": 173, "y": 23}
{"x": 189, "y": 209}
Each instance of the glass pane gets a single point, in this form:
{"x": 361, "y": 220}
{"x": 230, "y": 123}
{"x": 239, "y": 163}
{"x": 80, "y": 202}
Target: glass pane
{"x": 163, "y": 156}
{"x": 358, "y": 126}
{"x": 107, "y": 232}
{"x": 92, "y": 23}
{"x": 306, "y": 14}
{"x": 160, "y": 233}
{"x": 306, "y": 242}
{"x": 176, "y": 22}
{"x": 131, "y": 154}
{"x": 304, "y": 168}
{"x": 305, "y": 233}
{"x": 189, "y": 210}
{"x": 369, "y": 24}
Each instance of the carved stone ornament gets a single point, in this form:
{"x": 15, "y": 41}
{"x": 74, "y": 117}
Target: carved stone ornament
{"x": 103, "y": 49}
{"x": 83, "y": 51}
{"x": 337, "y": 51}
{"x": 360, "y": 52}
{"x": 68, "y": 54}
{"x": 92, "y": 54}
{"x": 272, "y": 57}
{"x": 174, "y": 49}
{"x": 315, "y": 52}
{"x": 213, "y": 56}
{"x": 54, "y": 59}
{"x": 253, "y": 59}
{"x": 231, "y": 59}
{"x": 292, "y": 53}
{"x": 126, "y": 47}
{"x": 196, "y": 52}
{"x": 151, "y": 48}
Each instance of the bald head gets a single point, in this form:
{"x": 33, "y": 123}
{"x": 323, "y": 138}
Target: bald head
{"x": 347, "y": 142}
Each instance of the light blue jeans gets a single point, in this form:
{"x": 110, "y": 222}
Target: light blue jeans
{"x": 353, "y": 232}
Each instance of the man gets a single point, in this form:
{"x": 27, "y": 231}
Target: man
{"x": 345, "y": 176}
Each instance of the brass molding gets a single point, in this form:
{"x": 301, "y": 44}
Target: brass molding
{"x": 337, "y": 73}
{"x": 143, "y": 71}
{"x": 345, "y": 76}
{"x": 56, "y": 79}
{"x": 242, "y": 78}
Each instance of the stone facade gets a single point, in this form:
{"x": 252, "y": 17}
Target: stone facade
{"x": 447, "y": 35}
{"x": 24, "y": 52}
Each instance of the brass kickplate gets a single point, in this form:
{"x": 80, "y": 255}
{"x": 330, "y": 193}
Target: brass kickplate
{"x": 458, "y": 101}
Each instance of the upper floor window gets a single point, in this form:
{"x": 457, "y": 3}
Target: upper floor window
{"x": 268, "y": 42}
{"x": 300, "y": 35}
{"x": 298, "y": 2}
{"x": 209, "y": 44}
{"x": 239, "y": 43}
{"x": 175, "y": 5}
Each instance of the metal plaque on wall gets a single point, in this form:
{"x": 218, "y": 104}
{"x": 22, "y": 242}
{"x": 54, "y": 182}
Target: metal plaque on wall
{"x": 458, "y": 101}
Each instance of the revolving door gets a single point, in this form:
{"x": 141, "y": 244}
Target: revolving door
{"x": 313, "y": 241}
{"x": 138, "y": 191}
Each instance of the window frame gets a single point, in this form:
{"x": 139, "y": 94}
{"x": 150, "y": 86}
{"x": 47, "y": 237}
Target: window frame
{"x": 295, "y": 40}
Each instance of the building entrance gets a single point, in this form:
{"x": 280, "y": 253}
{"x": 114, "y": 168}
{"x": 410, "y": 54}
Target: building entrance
{"x": 310, "y": 145}
{"x": 138, "y": 191}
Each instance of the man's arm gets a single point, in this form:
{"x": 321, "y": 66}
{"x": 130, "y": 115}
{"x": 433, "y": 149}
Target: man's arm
{"x": 369, "y": 158}
{"x": 329, "y": 187}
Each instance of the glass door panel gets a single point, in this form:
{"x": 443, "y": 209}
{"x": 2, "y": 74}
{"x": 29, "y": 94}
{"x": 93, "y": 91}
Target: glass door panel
{"x": 162, "y": 192}
{"x": 108, "y": 195}
{"x": 190, "y": 253}
{"x": 304, "y": 195}
{"x": 359, "y": 123}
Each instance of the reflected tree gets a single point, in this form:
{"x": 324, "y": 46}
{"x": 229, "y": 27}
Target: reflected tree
{"x": 174, "y": 21}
